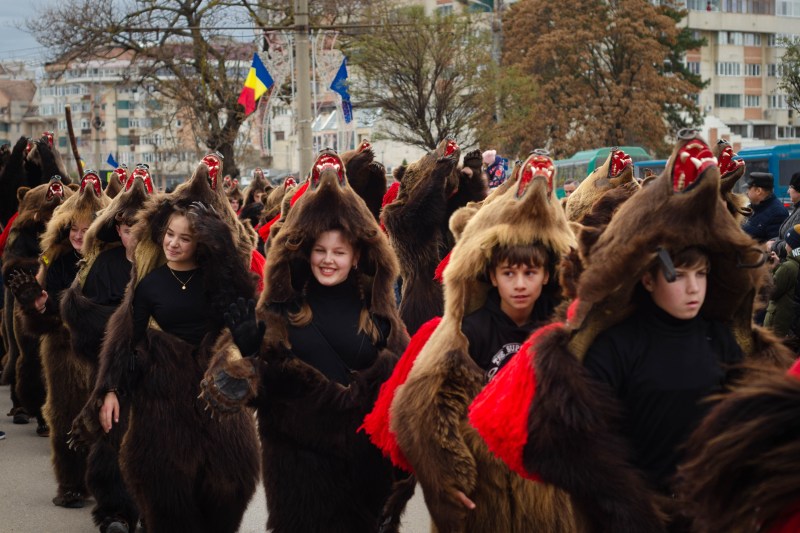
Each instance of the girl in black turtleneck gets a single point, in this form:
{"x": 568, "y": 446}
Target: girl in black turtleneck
{"x": 331, "y": 330}
{"x": 662, "y": 361}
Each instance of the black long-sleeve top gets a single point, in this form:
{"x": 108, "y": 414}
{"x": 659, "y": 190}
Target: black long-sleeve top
{"x": 60, "y": 274}
{"x": 187, "y": 314}
{"x": 106, "y": 281}
{"x": 662, "y": 368}
{"x": 331, "y": 343}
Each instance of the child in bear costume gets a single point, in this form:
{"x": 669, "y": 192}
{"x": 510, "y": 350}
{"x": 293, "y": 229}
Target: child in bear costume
{"x": 428, "y": 412}
{"x": 544, "y": 413}
{"x": 68, "y": 379}
{"x": 185, "y": 470}
{"x": 332, "y": 337}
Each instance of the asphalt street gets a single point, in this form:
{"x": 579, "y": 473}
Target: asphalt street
{"x": 27, "y": 486}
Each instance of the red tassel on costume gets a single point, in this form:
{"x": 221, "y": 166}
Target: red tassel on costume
{"x": 389, "y": 197}
{"x": 795, "y": 370}
{"x": 438, "y": 274}
{"x": 6, "y": 231}
{"x": 257, "y": 263}
{"x": 263, "y": 231}
{"x": 500, "y": 412}
{"x": 376, "y": 423}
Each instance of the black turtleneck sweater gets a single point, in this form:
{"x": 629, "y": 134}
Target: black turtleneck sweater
{"x": 61, "y": 273}
{"x": 331, "y": 343}
{"x": 661, "y": 368}
{"x": 106, "y": 281}
{"x": 187, "y": 314}
{"x": 493, "y": 337}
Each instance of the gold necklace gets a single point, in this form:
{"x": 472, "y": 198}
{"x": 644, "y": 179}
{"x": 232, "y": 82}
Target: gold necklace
{"x": 183, "y": 284}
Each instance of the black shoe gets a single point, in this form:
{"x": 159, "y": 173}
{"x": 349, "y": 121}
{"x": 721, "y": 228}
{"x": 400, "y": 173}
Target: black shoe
{"x": 2, "y": 435}
{"x": 117, "y": 526}
{"x": 21, "y": 417}
{"x": 70, "y": 500}
{"x": 43, "y": 431}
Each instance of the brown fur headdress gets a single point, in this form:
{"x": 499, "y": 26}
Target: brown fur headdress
{"x": 116, "y": 181}
{"x": 527, "y": 212}
{"x": 204, "y": 187}
{"x": 616, "y": 171}
{"x": 330, "y": 203}
{"x": 83, "y": 205}
{"x": 102, "y": 233}
{"x": 680, "y": 209}
{"x": 730, "y": 171}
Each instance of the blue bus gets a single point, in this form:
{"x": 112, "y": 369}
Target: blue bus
{"x": 781, "y": 161}
{"x": 583, "y": 163}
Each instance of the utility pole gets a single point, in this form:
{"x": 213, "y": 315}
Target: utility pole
{"x": 497, "y": 47}
{"x": 303, "y": 86}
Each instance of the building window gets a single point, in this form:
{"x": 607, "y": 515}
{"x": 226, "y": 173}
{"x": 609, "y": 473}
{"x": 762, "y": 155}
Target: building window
{"x": 728, "y": 100}
{"x": 752, "y": 100}
{"x": 766, "y": 131}
{"x": 123, "y": 123}
{"x": 693, "y": 67}
{"x": 728, "y": 68}
{"x": 752, "y": 39}
{"x": 280, "y": 135}
{"x": 788, "y": 132}
{"x": 777, "y": 101}
{"x": 752, "y": 69}
{"x": 739, "y": 129}
{"x": 774, "y": 70}
{"x": 757, "y": 7}
{"x": 787, "y": 8}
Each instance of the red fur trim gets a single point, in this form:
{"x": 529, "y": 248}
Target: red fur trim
{"x": 795, "y": 370}
{"x": 263, "y": 231}
{"x": 389, "y": 197}
{"x": 257, "y": 263}
{"x": 299, "y": 192}
{"x": 572, "y": 310}
{"x": 788, "y": 524}
{"x": 6, "y": 231}
{"x": 500, "y": 412}
{"x": 438, "y": 274}
{"x": 391, "y": 194}
{"x": 376, "y": 423}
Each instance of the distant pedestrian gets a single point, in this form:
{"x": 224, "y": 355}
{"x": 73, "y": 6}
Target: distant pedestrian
{"x": 570, "y": 186}
{"x": 781, "y": 308}
{"x": 768, "y": 211}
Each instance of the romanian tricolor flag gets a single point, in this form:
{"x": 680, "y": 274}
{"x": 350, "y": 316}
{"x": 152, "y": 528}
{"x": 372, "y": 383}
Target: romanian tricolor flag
{"x": 257, "y": 83}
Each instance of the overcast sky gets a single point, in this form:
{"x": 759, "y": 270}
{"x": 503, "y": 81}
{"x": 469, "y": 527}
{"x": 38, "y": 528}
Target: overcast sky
{"x": 15, "y": 42}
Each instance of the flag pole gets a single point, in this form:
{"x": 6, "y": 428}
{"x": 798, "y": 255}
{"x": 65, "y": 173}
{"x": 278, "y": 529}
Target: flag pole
{"x": 303, "y": 86}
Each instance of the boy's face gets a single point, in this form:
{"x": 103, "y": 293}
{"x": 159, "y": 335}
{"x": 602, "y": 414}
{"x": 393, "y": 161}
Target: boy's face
{"x": 519, "y": 286}
{"x": 682, "y": 298}
{"x": 126, "y": 236}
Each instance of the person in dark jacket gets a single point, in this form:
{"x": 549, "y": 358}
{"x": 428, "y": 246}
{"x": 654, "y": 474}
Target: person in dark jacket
{"x": 768, "y": 211}
{"x": 781, "y": 309}
{"x": 778, "y": 243}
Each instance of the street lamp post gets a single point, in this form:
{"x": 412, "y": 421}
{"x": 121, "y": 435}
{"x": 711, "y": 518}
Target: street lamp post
{"x": 497, "y": 39}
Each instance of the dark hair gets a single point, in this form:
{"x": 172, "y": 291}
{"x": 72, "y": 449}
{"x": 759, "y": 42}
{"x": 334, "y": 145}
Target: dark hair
{"x": 689, "y": 257}
{"x": 533, "y": 255}
{"x": 126, "y": 216}
{"x": 571, "y": 182}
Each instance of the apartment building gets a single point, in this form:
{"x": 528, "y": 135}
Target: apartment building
{"x": 743, "y": 102}
{"x": 112, "y": 116}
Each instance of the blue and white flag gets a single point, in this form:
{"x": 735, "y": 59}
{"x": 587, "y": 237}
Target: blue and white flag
{"x": 339, "y": 86}
{"x": 111, "y": 161}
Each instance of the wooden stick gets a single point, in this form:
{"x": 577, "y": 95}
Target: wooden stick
{"x": 73, "y": 142}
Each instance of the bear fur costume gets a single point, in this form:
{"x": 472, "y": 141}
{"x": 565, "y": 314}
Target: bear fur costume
{"x": 555, "y": 401}
{"x": 429, "y": 412}
{"x": 366, "y": 176}
{"x": 204, "y": 470}
{"x": 311, "y": 449}
{"x": 616, "y": 171}
{"x": 68, "y": 379}
{"x": 432, "y": 189}
{"x": 259, "y": 183}
{"x": 22, "y": 367}
{"x": 741, "y": 473}
{"x": 43, "y": 160}
{"x": 86, "y": 322}
{"x": 117, "y": 181}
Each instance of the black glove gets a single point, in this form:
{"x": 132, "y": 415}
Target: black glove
{"x": 24, "y": 287}
{"x": 246, "y": 330}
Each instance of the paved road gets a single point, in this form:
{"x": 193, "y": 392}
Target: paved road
{"x": 27, "y": 486}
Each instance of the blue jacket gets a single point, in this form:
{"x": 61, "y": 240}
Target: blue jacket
{"x": 766, "y": 219}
